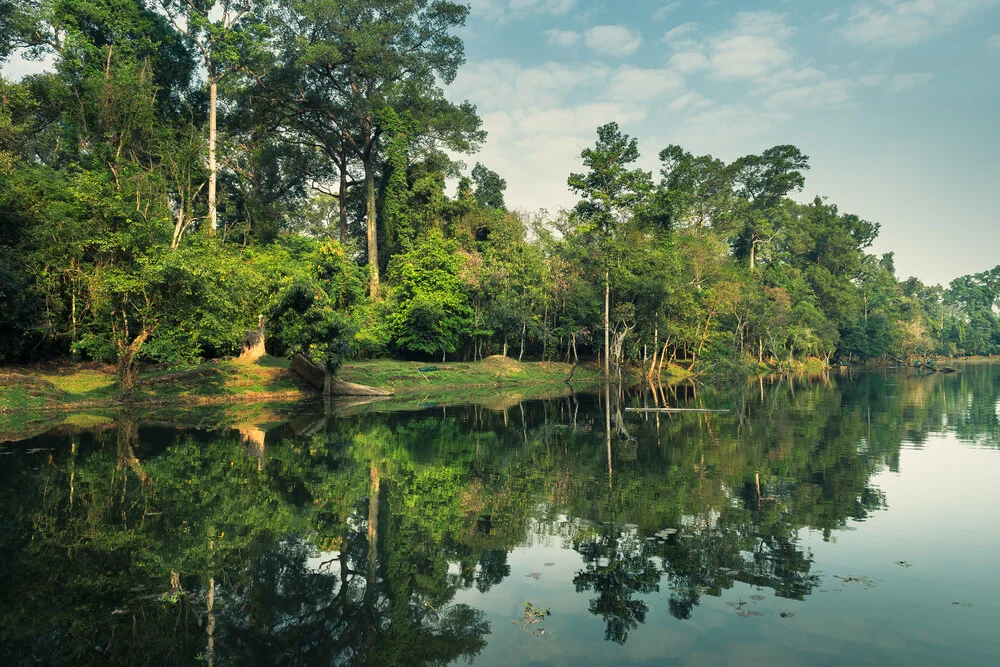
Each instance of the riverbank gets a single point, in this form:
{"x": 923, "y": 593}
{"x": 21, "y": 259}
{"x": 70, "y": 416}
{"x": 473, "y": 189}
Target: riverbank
{"x": 59, "y": 388}
{"x": 36, "y": 398}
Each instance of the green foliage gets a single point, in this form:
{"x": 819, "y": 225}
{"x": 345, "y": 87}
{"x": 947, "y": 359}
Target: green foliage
{"x": 430, "y": 311}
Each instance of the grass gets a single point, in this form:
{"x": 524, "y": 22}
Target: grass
{"x": 34, "y": 399}
{"x": 493, "y": 372}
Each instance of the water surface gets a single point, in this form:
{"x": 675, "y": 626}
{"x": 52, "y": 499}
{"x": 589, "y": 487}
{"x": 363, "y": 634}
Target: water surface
{"x": 830, "y": 520}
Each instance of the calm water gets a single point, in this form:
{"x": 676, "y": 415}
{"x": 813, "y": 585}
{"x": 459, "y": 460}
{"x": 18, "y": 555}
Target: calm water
{"x": 833, "y": 521}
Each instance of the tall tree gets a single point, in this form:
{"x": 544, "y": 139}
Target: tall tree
{"x": 609, "y": 193}
{"x": 761, "y": 182}
{"x": 359, "y": 56}
{"x": 228, "y": 35}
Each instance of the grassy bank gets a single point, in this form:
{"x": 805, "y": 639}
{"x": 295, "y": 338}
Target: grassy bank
{"x": 72, "y": 387}
{"x": 35, "y": 399}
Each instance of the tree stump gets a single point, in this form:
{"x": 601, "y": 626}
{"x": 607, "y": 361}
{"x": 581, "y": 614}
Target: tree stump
{"x": 253, "y": 343}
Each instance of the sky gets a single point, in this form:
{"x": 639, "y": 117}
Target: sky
{"x": 896, "y": 102}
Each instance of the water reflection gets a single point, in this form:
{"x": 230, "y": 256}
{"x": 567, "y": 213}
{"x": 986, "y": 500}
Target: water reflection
{"x": 346, "y": 538}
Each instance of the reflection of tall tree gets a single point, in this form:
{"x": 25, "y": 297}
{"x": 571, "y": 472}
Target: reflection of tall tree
{"x": 617, "y": 569}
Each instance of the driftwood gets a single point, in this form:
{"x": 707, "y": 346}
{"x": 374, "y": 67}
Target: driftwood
{"x": 671, "y": 410}
{"x": 317, "y": 375}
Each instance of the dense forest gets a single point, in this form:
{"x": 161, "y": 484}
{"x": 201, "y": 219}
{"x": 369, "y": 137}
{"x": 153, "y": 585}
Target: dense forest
{"x": 187, "y": 166}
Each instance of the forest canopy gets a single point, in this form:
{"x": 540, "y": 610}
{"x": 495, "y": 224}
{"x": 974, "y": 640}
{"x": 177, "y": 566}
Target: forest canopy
{"x": 186, "y": 167}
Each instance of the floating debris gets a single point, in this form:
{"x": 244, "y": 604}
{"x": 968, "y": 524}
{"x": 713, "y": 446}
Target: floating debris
{"x": 964, "y": 604}
{"x": 534, "y": 575}
{"x": 737, "y": 605}
{"x": 755, "y": 613}
{"x": 862, "y": 580}
{"x": 744, "y": 614}
{"x": 549, "y": 564}
{"x": 532, "y": 615}
{"x": 903, "y": 563}
{"x": 757, "y": 597}
{"x": 786, "y": 614}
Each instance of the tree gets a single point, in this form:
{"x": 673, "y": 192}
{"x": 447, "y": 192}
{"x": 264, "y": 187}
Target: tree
{"x": 489, "y": 187}
{"x": 609, "y": 192}
{"x": 430, "y": 311}
{"x": 761, "y": 182}
{"x": 358, "y": 57}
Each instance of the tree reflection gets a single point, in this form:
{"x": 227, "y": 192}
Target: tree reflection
{"x": 350, "y": 542}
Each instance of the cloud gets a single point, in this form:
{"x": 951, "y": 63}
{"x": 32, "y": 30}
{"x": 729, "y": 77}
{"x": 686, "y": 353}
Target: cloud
{"x": 755, "y": 45}
{"x": 689, "y": 101}
{"x": 872, "y": 80}
{"x": 509, "y": 84}
{"x": 688, "y": 62}
{"x": 906, "y": 22}
{"x": 747, "y": 57}
{"x": 902, "y": 82}
{"x": 994, "y": 41}
{"x": 661, "y": 13}
{"x": 563, "y": 38}
{"x": 683, "y": 29}
{"x": 635, "y": 84}
{"x": 732, "y": 121}
{"x": 613, "y": 40}
{"x": 824, "y": 94}
{"x": 509, "y": 10}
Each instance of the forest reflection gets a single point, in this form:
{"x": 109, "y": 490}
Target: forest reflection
{"x": 345, "y": 537}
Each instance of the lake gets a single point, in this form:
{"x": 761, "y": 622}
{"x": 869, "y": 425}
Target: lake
{"x": 841, "y": 519}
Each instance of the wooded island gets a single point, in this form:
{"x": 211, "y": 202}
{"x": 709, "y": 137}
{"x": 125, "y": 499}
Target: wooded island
{"x": 188, "y": 167}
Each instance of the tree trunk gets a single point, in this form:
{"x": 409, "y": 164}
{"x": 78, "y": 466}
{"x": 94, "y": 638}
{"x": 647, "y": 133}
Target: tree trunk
{"x": 213, "y": 214}
{"x": 373, "y": 277}
{"x": 342, "y": 202}
{"x": 128, "y": 376}
{"x": 524, "y": 328}
{"x": 607, "y": 324}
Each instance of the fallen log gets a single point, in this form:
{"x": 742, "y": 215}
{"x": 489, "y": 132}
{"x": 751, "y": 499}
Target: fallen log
{"x": 317, "y": 375}
{"x": 671, "y": 410}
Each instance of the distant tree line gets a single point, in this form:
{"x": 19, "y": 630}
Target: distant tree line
{"x": 187, "y": 166}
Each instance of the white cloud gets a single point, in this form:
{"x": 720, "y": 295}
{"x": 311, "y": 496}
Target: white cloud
{"x": 747, "y": 57}
{"x": 754, "y": 46}
{"x": 872, "y": 80}
{"x": 824, "y": 94}
{"x": 683, "y": 29}
{"x": 994, "y": 41}
{"x": 563, "y": 38}
{"x": 902, "y": 82}
{"x": 906, "y": 22}
{"x": 732, "y": 121}
{"x": 613, "y": 40}
{"x": 832, "y": 16}
{"x": 661, "y": 13}
{"x": 688, "y": 62}
{"x": 507, "y": 10}
{"x": 634, "y": 84}
{"x": 689, "y": 101}
{"x": 507, "y": 84}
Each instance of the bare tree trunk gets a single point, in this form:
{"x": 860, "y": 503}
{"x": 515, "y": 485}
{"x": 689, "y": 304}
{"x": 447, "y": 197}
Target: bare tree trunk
{"x": 524, "y": 329}
{"x": 213, "y": 213}
{"x": 342, "y": 202}
{"x": 373, "y": 277}
{"x": 607, "y": 324}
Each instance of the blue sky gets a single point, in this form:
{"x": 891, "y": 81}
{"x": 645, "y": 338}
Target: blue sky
{"x": 896, "y": 102}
